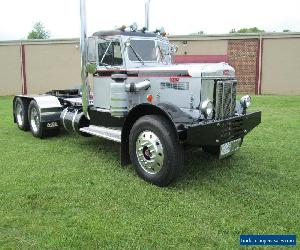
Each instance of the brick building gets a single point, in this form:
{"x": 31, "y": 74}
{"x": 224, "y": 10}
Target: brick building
{"x": 264, "y": 63}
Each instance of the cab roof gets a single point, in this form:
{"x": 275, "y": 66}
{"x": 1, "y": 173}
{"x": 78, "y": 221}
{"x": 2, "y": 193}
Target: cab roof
{"x": 124, "y": 33}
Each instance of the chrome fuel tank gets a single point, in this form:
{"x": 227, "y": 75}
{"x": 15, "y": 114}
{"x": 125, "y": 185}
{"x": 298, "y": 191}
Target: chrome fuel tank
{"x": 72, "y": 119}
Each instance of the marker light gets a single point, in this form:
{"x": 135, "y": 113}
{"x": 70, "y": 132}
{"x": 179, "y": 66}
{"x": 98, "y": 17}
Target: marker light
{"x": 133, "y": 27}
{"x": 123, "y": 27}
{"x": 162, "y": 30}
{"x": 149, "y": 98}
{"x": 156, "y": 31}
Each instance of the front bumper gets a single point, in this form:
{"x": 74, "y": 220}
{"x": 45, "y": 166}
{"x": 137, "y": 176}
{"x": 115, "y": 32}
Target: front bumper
{"x": 216, "y": 133}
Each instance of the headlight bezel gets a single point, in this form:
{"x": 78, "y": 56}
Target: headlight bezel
{"x": 207, "y": 108}
{"x": 245, "y": 101}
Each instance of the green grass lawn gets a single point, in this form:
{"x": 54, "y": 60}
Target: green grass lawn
{"x": 70, "y": 192}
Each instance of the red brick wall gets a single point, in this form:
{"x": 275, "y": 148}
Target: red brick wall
{"x": 243, "y": 56}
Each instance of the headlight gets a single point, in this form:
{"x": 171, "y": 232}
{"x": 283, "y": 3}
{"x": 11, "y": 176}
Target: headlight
{"x": 245, "y": 101}
{"x": 207, "y": 108}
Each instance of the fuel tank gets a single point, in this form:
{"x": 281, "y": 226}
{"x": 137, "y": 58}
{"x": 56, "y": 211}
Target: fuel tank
{"x": 72, "y": 119}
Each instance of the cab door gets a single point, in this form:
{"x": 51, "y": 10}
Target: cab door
{"x": 110, "y": 61}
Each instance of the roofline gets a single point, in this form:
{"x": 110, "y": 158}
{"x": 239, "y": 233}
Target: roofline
{"x": 40, "y": 41}
{"x": 231, "y": 36}
{"x": 108, "y": 33}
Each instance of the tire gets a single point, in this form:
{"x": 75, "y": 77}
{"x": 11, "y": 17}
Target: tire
{"x": 21, "y": 114}
{"x": 34, "y": 119}
{"x": 155, "y": 151}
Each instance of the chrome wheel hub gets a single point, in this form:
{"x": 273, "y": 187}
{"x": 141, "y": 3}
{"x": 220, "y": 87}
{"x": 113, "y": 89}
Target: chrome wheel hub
{"x": 19, "y": 114}
{"x": 149, "y": 151}
{"x": 34, "y": 120}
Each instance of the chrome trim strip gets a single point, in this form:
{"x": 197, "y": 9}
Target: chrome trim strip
{"x": 63, "y": 120}
{"x": 223, "y": 99}
{"x": 231, "y": 98}
{"x": 219, "y": 77}
{"x": 73, "y": 120}
{"x": 106, "y": 133}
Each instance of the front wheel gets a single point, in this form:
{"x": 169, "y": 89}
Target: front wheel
{"x": 155, "y": 150}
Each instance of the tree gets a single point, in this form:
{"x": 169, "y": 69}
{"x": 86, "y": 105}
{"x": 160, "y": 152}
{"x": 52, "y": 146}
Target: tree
{"x": 247, "y": 30}
{"x": 38, "y": 32}
{"x": 286, "y": 30}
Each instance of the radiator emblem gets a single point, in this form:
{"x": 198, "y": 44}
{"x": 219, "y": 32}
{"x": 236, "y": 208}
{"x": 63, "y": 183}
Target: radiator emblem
{"x": 175, "y": 85}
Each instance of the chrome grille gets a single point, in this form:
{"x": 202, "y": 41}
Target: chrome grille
{"x": 225, "y": 98}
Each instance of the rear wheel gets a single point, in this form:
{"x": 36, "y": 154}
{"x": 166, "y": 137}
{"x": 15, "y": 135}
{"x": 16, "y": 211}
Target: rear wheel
{"x": 21, "y": 114}
{"x": 34, "y": 118}
{"x": 155, "y": 150}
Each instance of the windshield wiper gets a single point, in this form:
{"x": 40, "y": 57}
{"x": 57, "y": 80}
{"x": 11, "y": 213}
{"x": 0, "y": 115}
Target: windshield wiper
{"x": 137, "y": 55}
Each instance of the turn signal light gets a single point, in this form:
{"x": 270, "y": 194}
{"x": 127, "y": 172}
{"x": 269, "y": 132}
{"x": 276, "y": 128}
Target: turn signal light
{"x": 149, "y": 98}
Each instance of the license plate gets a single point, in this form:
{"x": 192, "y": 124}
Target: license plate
{"x": 229, "y": 148}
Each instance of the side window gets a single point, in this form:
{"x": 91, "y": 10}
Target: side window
{"x": 110, "y": 53}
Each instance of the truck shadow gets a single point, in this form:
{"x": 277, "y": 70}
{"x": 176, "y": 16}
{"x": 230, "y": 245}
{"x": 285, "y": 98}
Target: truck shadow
{"x": 199, "y": 167}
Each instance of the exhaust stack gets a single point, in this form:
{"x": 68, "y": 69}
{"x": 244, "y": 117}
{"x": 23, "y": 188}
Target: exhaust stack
{"x": 147, "y": 7}
{"x": 83, "y": 52}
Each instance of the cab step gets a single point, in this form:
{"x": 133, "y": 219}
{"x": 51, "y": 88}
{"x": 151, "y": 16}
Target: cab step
{"x": 113, "y": 134}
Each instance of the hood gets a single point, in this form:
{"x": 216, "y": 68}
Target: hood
{"x": 194, "y": 69}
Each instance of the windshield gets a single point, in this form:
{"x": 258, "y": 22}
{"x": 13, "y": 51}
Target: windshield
{"x": 145, "y": 49}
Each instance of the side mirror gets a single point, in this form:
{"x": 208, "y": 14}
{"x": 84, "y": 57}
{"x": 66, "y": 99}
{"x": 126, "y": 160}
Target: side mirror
{"x": 92, "y": 50}
{"x": 119, "y": 77}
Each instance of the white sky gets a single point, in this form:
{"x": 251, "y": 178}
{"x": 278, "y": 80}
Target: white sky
{"x": 61, "y": 17}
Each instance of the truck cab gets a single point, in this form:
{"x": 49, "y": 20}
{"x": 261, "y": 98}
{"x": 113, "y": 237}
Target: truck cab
{"x": 151, "y": 106}
{"x": 133, "y": 55}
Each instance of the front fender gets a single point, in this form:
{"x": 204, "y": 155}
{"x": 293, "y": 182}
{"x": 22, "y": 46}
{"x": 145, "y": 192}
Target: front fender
{"x": 174, "y": 114}
{"x": 178, "y": 117}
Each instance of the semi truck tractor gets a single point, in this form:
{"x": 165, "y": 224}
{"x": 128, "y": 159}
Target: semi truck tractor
{"x": 142, "y": 100}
